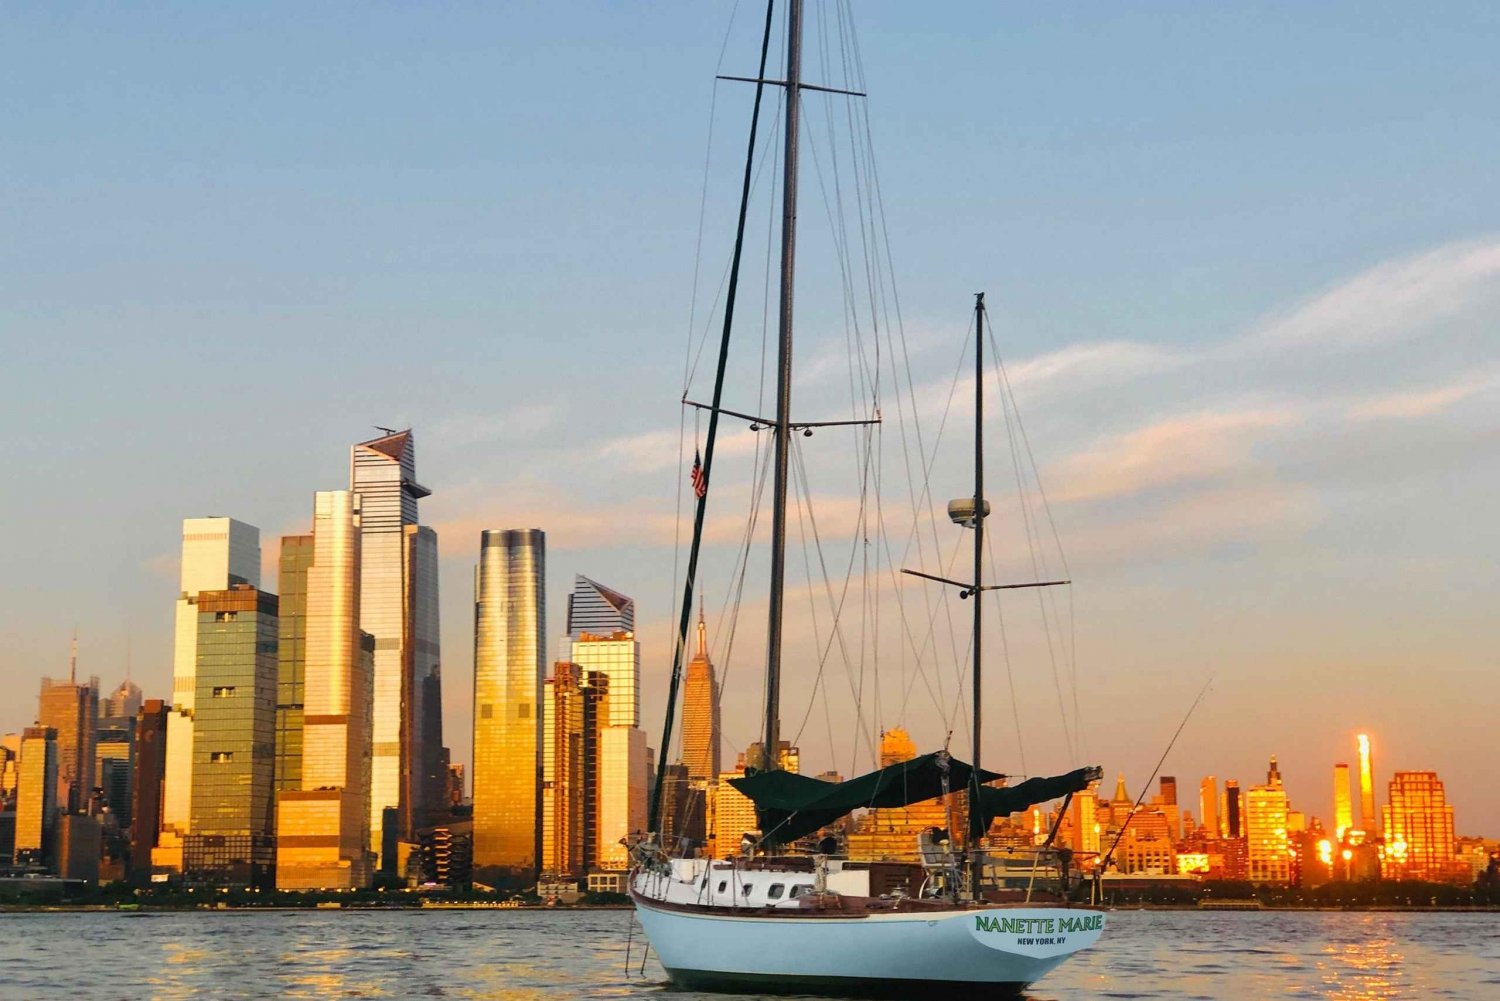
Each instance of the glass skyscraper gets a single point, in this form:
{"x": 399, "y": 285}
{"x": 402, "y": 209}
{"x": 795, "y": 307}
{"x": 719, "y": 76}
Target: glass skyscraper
{"x": 234, "y": 738}
{"x": 217, "y": 553}
{"x": 700, "y": 714}
{"x": 72, "y": 709}
{"x": 323, "y": 823}
{"x": 399, "y": 607}
{"x": 36, "y": 795}
{"x": 291, "y": 654}
{"x": 510, "y": 628}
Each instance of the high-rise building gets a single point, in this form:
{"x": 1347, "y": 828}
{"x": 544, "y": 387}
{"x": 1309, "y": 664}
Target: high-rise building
{"x": 229, "y": 840}
{"x": 562, "y": 771}
{"x": 1232, "y": 808}
{"x": 146, "y": 785}
{"x": 594, "y": 608}
{"x": 1367, "y": 815}
{"x": 1269, "y": 854}
{"x": 891, "y": 832}
{"x": 700, "y": 714}
{"x": 36, "y": 796}
{"x": 323, "y": 825}
{"x": 72, "y": 709}
{"x": 114, "y": 763}
{"x": 291, "y": 659}
{"x": 10, "y": 763}
{"x": 1208, "y": 805}
{"x": 510, "y": 648}
{"x": 123, "y": 701}
{"x": 217, "y": 553}
{"x": 624, "y": 770}
{"x": 1419, "y": 837}
{"x": 1343, "y": 817}
{"x": 399, "y": 607}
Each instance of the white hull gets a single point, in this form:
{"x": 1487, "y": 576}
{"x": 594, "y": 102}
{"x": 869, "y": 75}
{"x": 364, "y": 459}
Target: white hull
{"x": 982, "y": 953}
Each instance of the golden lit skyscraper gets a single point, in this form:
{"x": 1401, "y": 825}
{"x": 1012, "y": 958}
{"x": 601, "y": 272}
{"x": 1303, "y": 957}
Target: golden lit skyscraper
{"x": 1367, "y": 816}
{"x": 510, "y": 623}
{"x": 562, "y": 771}
{"x": 217, "y": 553}
{"x": 1343, "y": 817}
{"x": 36, "y": 795}
{"x": 72, "y": 709}
{"x": 1208, "y": 805}
{"x": 399, "y": 607}
{"x": 700, "y": 714}
{"x": 1418, "y": 825}
{"x": 323, "y": 823}
{"x": 1269, "y": 849}
{"x": 291, "y": 658}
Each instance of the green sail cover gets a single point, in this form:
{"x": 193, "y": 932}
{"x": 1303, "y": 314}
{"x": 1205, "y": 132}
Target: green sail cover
{"x": 999, "y": 802}
{"x": 789, "y": 806}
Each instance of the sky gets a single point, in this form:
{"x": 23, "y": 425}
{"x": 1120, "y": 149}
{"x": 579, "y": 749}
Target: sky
{"x": 1243, "y": 263}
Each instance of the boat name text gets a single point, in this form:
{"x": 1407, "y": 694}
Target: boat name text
{"x": 1039, "y": 926}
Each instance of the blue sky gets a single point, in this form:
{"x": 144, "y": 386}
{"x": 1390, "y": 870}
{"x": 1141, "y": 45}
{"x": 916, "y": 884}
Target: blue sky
{"x": 1245, "y": 262}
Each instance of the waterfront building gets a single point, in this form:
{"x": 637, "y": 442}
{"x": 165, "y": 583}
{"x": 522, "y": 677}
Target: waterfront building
{"x": 123, "y": 701}
{"x": 1343, "y": 816}
{"x": 1208, "y": 806}
{"x": 399, "y": 607}
{"x": 1367, "y": 816}
{"x": 10, "y": 760}
{"x": 150, "y": 763}
{"x": 217, "y": 553}
{"x": 510, "y": 628}
{"x": 234, "y": 739}
{"x": 1232, "y": 808}
{"x": 1166, "y": 801}
{"x": 890, "y": 833}
{"x": 1419, "y": 836}
{"x": 323, "y": 825}
{"x": 78, "y": 847}
{"x": 624, "y": 775}
{"x": 291, "y": 658}
{"x": 72, "y": 709}
{"x": 36, "y": 796}
{"x": 701, "y": 731}
{"x": 1268, "y": 848}
{"x": 733, "y": 816}
{"x": 1083, "y": 820}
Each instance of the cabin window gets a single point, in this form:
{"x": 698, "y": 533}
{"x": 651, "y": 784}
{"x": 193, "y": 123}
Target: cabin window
{"x": 774, "y": 893}
{"x": 800, "y": 888}
{"x": 723, "y": 885}
{"x": 745, "y": 890}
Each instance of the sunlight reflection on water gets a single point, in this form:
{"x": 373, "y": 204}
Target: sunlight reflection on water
{"x": 523, "y": 956}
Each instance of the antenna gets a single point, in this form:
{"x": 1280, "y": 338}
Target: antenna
{"x": 73, "y": 659}
{"x": 387, "y": 431}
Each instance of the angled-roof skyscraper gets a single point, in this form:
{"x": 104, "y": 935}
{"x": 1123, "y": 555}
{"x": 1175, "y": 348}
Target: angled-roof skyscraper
{"x": 398, "y": 605}
{"x": 594, "y": 608}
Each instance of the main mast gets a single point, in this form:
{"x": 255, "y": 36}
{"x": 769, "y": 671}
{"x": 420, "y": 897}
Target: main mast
{"x": 783, "y": 428}
{"x": 976, "y": 813}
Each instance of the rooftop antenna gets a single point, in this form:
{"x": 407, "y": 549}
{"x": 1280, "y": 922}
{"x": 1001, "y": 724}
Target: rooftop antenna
{"x": 73, "y": 659}
{"x": 385, "y": 431}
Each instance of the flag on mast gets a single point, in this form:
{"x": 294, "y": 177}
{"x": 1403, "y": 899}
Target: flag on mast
{"x": 700, "y": 482}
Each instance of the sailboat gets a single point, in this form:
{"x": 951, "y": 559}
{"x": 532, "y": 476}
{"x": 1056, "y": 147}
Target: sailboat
{"x": 768, "y": 921}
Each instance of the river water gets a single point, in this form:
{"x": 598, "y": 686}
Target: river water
{"x": 531, "y": 955}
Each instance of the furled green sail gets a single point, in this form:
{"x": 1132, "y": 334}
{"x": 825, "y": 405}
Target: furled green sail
{"x": 789, "y": 806}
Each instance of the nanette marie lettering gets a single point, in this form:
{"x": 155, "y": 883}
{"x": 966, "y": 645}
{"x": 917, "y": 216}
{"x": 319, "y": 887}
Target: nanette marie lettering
{"x": 1039, "y": 926}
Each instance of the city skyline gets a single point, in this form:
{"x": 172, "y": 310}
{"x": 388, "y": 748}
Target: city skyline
{"x": 1266, "y": 434}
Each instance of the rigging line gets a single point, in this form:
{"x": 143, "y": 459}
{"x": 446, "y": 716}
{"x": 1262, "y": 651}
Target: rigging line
{"x": 1027, "y": 518}
{"x": 1010, "y": 678}
{"x": 1061, "y": 553}
{"x": 1104, "y": 863}
{"x": 685, "y": 619}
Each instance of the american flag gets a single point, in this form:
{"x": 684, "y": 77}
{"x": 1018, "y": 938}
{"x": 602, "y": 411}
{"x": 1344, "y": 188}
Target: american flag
{"x": 700, "y": 482}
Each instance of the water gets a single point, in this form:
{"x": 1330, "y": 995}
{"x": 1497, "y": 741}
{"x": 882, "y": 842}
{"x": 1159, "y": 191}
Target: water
{"x": 528, "y": 955}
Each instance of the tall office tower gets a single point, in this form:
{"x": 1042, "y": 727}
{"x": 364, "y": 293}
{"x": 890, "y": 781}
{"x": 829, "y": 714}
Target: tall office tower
{"x": 114, "y": 763}
{"x": 291, "y": 658}
{"x": 1266, "y": 823}
{"x": 1343, "y": 816}
{"x": 595, "y": 722}
{"x": 229, "y": 838}
{"x": 562, "y": 771}
{"x": 1367, "y": 817}
{"x": 1418, "y": 826}
{"x": 1231, "y": 808}
{"x": 217, "y": 553}
{"x": 1167, "y": 787}
{"x": 10, "y": 764}
{"x": 72, "y": 709}
{"x": 1083, "y": 819}
{"x": 510, "y": 649}
{"x": 398, "y": 605}
{"x": 146, "y": 792}
{"x": 123, "y": 701}
{"x": 1273, "y": 773}
{"x": 594, "y": 608}
{"x": 1208, "y": 805}
{"x": 323, "y": 824}
{"x": 700, "y": 714}
{"x": 624, "y": 773}
{"x": 36, "y": 796}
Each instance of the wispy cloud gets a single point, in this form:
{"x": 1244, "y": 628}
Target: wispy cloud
{"x": 1396, "y": 299}
{"x": 1411, "y": 404}
{"x": 463, "y": 430}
